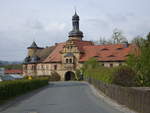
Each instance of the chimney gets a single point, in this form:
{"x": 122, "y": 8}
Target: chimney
{"x": 56, "y": 44}
{"x": 126, "y": 44}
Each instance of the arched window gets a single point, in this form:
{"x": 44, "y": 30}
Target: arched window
{"x": 70, "y": 60}
{"x": 66, "y": 60}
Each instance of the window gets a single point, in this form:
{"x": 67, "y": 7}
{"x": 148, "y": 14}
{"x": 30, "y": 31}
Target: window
{"x": 119, "y": 48}
{"x": 41, "y": 66}
{"x": 104, "y": 49}
{"x": 111, "y": 56}
{"x": 55, "y": 67}
{"x": 70, "y": 60}
{"x": 66, "y": 60}
{"x": 111, "y": 65}
{"x": 46, "y": 66}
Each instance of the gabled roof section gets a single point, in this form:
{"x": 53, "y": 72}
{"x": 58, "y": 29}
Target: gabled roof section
{"x": 44, "y": 53}
{"x": 81, "y": 44}
{"x": 39, "y": 56}
{"x": 55, "y": 55}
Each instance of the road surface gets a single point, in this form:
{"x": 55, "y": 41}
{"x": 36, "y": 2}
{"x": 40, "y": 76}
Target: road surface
{"x": 60, "y": 97}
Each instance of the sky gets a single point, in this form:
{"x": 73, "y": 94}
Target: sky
{"x": 48, "y": 22}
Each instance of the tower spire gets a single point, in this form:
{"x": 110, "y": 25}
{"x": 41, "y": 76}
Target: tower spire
{"x": 75, "y": 10}
{"x": 75, "y": 33}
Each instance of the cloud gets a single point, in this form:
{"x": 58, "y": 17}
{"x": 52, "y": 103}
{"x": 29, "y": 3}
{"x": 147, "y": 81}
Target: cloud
{"x": 50, "y": 21}
{"x": 14, "y": 42}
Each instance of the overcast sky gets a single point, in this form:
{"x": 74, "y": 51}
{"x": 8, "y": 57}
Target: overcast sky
{"x": 49, "y": 21}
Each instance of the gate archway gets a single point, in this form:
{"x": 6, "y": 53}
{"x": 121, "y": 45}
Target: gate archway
{"x": 69, "y": 76}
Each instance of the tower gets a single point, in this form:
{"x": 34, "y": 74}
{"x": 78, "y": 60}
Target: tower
{"x": 75, "y": 33}
{"x": 32, "y": 49}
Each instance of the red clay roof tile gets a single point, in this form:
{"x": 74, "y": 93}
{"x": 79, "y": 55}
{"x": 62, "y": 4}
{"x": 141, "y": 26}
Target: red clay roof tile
{"x": 106, "y": 52}
{"x": 13, "y": 71}
{"x": 111, "y": 52}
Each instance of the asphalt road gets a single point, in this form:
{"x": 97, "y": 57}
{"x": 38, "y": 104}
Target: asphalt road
{"x": 60, "y": 97}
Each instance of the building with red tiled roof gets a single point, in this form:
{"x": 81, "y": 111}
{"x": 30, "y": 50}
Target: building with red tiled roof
{"x": 64, "y": 58}
{"x": 13, "y": 71}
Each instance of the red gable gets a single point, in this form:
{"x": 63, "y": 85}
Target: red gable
{"x": 55, "y": 56}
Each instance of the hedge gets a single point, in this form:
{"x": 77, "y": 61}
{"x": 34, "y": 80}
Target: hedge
{"x": 9, "y": 89}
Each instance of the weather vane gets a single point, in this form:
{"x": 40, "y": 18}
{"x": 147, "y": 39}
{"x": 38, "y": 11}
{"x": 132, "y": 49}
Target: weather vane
{"x": 75, "y": 9}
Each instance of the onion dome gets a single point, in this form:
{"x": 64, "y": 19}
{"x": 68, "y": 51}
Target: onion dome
{"x": 75, "y": 32}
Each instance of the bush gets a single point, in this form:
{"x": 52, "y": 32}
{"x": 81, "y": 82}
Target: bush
{"x": 12, "y": 66}
{"x": 55, "y": 76}
{"x": 93, "y": 69}
{"x": 103, "y": 74}
{"x": 9, "y": 89}
{"x": 78, "y": 74}
{"x": 140, "y": 63}
{"x": 123, "y": 76}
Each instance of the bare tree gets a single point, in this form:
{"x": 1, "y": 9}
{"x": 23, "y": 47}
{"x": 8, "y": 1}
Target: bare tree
{"x": 118, "y": 36}
{"x": 100, "y": 41}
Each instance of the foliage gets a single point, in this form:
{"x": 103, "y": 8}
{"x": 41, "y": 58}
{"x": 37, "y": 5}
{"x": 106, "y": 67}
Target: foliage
{"x": 103, "y": 74}
{"x": 139, "y": 41}
{"x": 91, "y": 64}
{"x": 12, "y": 66}
{"x": 9, "y": 89}
{"x": 93, "y": 69}
{"x": 141, "y": 63}
{"x": 79, "y": 75}
{"x": 54, "y": 76}
{"x": 123, "y": 76}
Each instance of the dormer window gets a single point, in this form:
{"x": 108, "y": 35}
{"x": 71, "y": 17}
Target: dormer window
{"x": 127, "y": 55}
{"x": 111, "y": 56}
{"x": 119, "y": 48}
{"x": 104, "y": 49}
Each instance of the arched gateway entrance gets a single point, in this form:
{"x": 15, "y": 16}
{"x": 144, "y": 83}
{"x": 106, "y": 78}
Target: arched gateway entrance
{"x": 69, "y": 76}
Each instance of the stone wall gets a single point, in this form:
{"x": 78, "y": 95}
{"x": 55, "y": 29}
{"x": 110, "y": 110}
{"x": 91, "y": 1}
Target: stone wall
{"x": 137, "y": 98}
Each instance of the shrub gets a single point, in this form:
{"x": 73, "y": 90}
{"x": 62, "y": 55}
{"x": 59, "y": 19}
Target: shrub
{"x": 141, "y": 63}
{"x": 103, "y": 74}
{"x": 123, "y": 76}
{"x": 78, "y": 74}
{"x": 9, "y": 89}
{"x": 55, "y": 76}
{"x": 93, "y": 69}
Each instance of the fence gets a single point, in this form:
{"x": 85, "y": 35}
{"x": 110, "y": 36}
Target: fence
{"x": 137, "y": 99}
